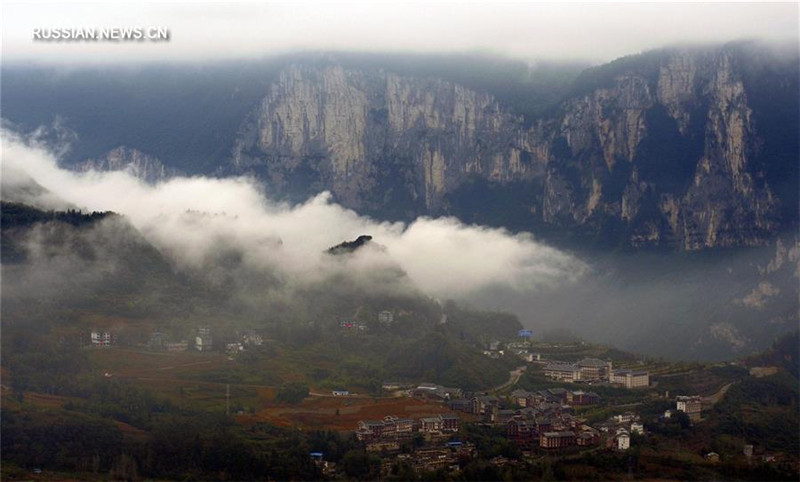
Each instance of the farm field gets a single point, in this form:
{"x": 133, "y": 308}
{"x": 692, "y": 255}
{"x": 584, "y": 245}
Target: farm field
{"x": 340, "y": 413}
{"x": 187, "y": 379}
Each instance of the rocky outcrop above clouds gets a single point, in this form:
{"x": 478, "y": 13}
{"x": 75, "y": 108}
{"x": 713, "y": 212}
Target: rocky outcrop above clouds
{"x": 133, "y": 161}
{"x": 662, "y": 149}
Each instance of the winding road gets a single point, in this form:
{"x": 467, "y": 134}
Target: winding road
{"x": 513, "y": 377}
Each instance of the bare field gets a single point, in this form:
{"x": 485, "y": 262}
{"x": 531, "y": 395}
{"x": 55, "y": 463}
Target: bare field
{"x": 320, "y": 413}
{"x": 178, "y": 377}
{"x": 129, "y": 363}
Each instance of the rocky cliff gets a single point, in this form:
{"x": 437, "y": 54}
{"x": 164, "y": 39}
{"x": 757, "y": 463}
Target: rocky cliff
{"x": 374, "y": 138}
{"x": 662, "y": 149}
{"x": 133, "y": 161}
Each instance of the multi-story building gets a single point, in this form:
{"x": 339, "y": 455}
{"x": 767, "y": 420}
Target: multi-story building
{"x": 623, "y": 440}
{"x": 563, "y": 371}
{"x": 579, "y": 397}
{"x": 390, "y": 428}
{"x": 484, "y": 404}
{"x": 631, "y": 378}
{"x": 450, "y": 422}
{"x": 594, "y": 369}
{"x": 520, "y": 397}
{"x": 404, "y": 427}
{"x": 102, "y": 338}
{"x": 203, "y": 340}
{"x": 626, "y": 417}
{"x": 385, "y": 318}
{"x": 440, "y": 424}
{"x": 521, "y": 431}
{"x": 370, "y": 429}
{"x": 691, "y": 405}
{"x": 554, "y": 440}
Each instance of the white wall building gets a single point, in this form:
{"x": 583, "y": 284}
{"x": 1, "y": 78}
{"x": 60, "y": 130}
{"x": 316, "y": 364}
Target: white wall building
{"x": 631, "y": 378}
{"x": 623, "y": 441}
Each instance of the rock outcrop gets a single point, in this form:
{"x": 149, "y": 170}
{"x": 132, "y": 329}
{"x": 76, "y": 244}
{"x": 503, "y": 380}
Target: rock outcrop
{"x": 133, "y": 161}
{"x": 366, "y": 134}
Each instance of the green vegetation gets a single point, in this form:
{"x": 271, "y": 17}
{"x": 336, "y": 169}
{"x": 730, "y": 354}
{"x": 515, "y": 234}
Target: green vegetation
{"x": 66, "y": 411}
{"x": 292, "y": 392}
{"x": 762, "y": 411}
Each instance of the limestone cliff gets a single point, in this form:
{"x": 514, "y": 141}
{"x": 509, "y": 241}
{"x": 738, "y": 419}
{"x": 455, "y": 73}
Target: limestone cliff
{"x": 663, "y": 149}
{"x": 678, "y": 139}
{"x": 133, "y": 161}
{"x": 364, "y": 134}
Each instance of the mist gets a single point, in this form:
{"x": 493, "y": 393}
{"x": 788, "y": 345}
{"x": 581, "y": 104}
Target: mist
{"x": 192, "y": 220}
{"x": 201, "y": 31}
{"x": 664, "y": 304}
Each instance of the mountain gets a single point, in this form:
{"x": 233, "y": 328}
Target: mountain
{"x": 67, "y": 272}
{"x": 679, "y": 148}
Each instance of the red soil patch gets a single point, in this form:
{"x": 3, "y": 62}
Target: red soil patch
{"x": 320, "y": 413}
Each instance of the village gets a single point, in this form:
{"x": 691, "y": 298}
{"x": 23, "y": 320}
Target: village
{"x": 551, "y": 421}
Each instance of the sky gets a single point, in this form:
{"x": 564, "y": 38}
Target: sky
{"x": 573, "y": 31}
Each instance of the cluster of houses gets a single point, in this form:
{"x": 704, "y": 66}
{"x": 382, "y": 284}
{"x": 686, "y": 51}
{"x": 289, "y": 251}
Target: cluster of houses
{"x": 246, "y": 339}
{"x": 495, "y": 349}
{"x": 432, "y": 392}
{"x": 619, "y": 429}
{"x": 349, "y": 325}
{"x": 596, "y": 370}
{"x": 447, "y": 456}
{"x": 204, "y": 341}
{"x": 390, "y": 432}
{"x": 546, "y": 419}
{"x": 387, "y": 435}
{"x": 543, "y": 418}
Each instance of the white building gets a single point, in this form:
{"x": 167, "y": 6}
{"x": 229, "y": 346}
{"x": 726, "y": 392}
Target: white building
{"x": 203, "y": 340}
{"x": 637, "y": 427}
{"x": 563, "y": 372}
{"x": 625, "y": 418}
{"x": 594, "y": 369}
{"x": 691, "y": 405}
{"x": 101, "y": 338}
{"x": 623, "y": 441}
{"x": 385, "y": 317}
{"x": 631, "y": 378}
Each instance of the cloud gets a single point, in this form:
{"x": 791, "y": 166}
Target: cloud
{"x": 599, "y": 31}
{"x": 195, "y": 220}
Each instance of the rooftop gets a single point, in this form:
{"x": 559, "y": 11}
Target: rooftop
{"x": 592, "y": 362}
{"x": 562, "y": 367}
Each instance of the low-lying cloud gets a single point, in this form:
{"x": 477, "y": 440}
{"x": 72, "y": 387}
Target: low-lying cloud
{"x": 192, "y": 219}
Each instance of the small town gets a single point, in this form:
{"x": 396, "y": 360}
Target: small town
{"x": 568, "y": 416}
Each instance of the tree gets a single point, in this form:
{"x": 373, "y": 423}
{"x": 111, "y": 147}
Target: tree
{"x": 292, "y": 392}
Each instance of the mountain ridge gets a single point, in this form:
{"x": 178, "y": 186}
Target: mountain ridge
{"x": 669, "y": 154}
{"x": 683, "y": 149}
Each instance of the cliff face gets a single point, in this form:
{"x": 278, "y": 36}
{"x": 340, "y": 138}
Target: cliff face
{"x": 676, "y": 141}
{"x": 662, "y": 150}
{"x": 372, "y": 137}
{"x": 135, "y": 162}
